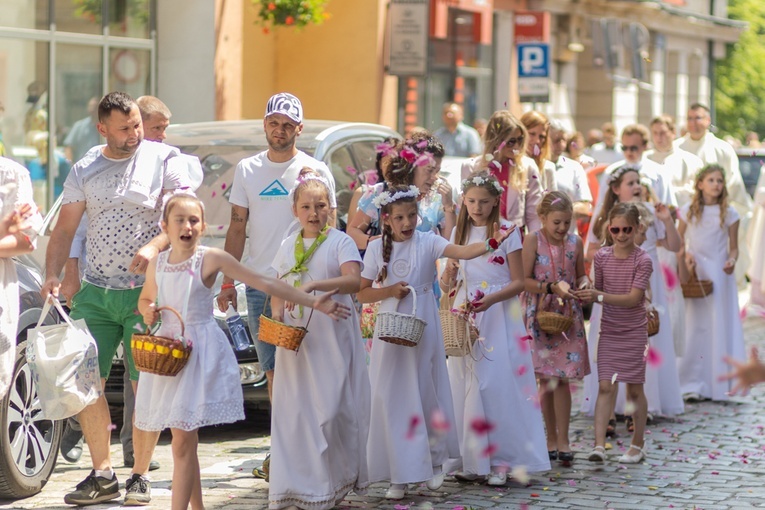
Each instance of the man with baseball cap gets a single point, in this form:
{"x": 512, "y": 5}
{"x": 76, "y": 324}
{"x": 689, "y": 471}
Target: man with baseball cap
{"x": 261, "y": 210}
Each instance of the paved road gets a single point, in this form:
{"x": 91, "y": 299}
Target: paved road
{"x": 710, "y": 458}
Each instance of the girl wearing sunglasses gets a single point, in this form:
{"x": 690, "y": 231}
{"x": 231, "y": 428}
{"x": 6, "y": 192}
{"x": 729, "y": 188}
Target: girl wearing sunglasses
{"x": 622, "y": 274}
{"x": 504, "y": 157}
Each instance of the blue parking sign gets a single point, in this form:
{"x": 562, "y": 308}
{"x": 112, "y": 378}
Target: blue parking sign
{"x": 534, "y": 60}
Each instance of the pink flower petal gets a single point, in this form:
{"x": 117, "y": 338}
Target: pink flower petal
{"x": 414, "y": 422}
{"x": 523, "y": 343}
{"x": 522, "y": 370}
{"x": 670, "y": 277}
{"x": 536, "y": 150}
{"x": 653, "y": 357}
{"x": 351, "y": 170}
{"x": 213, "y": 194}
{"x": 223, "y": 186}
{"x": 489, "y": 450}
{"x": 481, "y": 426}
{"x": 439, "y": 422}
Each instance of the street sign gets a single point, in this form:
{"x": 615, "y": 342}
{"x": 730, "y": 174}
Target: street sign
{"x": 531, "y": 26}
{"x": 408, "y": 29}
{"x": 534, "y": 72}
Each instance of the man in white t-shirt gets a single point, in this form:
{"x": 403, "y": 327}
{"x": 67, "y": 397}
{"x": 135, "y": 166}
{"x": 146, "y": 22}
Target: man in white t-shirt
{"x": 260, "y": 194}
{"x": 570, "y": 177}
{"x": 607, "y": 151}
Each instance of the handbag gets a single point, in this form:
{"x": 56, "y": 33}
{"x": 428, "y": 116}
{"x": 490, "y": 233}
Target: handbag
{"x": 63, "y": 359}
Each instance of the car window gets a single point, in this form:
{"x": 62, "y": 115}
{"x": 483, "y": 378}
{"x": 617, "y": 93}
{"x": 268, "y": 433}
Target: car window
{"x": 364, "y": 154}
{"x": 340, "y": 161}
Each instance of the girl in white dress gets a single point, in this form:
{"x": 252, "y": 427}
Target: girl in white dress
{"x": 712, "y": 324}
{"x": 494, "y": 384}
{"x": 662, "y": 386}
{"x": 207, "y": 391}
{"x": 320, "y": 418}
{"x": 412, "y": 432}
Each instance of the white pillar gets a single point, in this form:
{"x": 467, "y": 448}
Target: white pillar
{"x": 705, "y": 88}
{"x": 681, "y": 104}
{"x": 625, "y": 104}
{"x": 504, "y": 50}
{"x": 186, "y": 59}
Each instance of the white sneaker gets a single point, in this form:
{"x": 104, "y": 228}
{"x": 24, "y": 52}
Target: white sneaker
{"x": 436, "y": 482}
{"x": 396, "y": 491}
{"x": 633, "y": 459}
{"x": 497, "y": 478}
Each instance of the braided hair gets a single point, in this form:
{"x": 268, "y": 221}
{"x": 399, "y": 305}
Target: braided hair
{"x": 387, "y": 231}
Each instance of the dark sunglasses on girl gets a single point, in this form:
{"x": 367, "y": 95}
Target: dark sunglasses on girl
{"x": 512, "y": 142}
{"x": 616, "y": 230}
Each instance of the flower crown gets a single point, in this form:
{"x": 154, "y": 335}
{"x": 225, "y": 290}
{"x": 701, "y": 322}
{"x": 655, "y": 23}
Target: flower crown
{"x": 480, "y": 181}
{"x": 386, "y": 197}
{"x": 305, "y": 178}
{"x": 621, "y": 171}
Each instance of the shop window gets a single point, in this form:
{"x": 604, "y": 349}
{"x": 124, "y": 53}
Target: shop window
{"x": 25, "y": 14}
{"x": 129, "y": 71}
{"x": 78, "y": 16}
{"x": 129, "y": 18}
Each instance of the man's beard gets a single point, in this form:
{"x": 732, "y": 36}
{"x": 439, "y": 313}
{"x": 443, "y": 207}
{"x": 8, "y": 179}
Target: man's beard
{"x": 285, "y": 146}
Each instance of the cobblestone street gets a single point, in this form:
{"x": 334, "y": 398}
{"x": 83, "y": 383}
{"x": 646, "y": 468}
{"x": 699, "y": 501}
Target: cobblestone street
{"x": 710, "y": 458}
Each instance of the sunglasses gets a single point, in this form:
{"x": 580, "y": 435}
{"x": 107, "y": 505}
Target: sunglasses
{"x": 630, "y": 148}
{"x": 512, "y": 142}
{"x": 616, "y": 230}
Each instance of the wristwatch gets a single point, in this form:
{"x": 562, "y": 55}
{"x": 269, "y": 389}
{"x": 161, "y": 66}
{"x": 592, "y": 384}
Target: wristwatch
{"x": 600, "y": 298}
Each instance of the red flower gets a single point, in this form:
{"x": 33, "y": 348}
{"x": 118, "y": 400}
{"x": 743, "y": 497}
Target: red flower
{"x": 481, "y": 426}
{"x": 409, "y": 155}
{"x": 497, "y": 260}
{"x": 493, "y": 244}
{"x": 289, "y": 20}
{"x": 271, "y": 6}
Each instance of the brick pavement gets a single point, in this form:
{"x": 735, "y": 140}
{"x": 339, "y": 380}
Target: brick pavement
{"x": 710, "y": 458}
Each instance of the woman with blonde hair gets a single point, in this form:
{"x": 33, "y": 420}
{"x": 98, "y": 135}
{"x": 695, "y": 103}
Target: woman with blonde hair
{"x": 538, "y": 147}
{"x": 504, "y": 158}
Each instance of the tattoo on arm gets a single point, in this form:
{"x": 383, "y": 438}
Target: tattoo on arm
{"x": 236, "y": 218}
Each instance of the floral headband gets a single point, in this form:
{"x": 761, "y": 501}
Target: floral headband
{"x": 386, "y": 197}
{"x": 619, "y": 172}
{"x": 480, "y": 181}
{"x": 305, "y": 178}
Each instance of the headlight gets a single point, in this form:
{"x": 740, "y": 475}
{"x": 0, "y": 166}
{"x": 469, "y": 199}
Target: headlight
{"x": 251, "y": 373}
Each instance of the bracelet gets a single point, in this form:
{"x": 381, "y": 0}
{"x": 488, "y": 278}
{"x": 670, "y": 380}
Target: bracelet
{"x": 227, "y": 286}
{"x": 539, "y": 285}
{"x": 549, "y": 288}
{"x": 491, "y": 245}
{"x": 451, "y": 209}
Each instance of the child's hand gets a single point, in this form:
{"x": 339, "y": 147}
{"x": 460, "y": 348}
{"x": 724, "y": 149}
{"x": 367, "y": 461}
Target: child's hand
{"x": 748, "y": 374}
{"x": 450, "y": 272}
{"x": 445, "y": 190}
{"x": 289, "y": 306}
{"x": 482, "y": 304}
{"x": 326, "y": 304}
{"x": 562, "y": 289}
{"x": 500, "y": 234}
{"x": 663, "y": 212}
{"x": 151, "y": 315}
{"x": 16, "y": 220}
{"x": 586, "y": 295}
{"x": 689, "y": 260}
{"x": 584, "y": 283}
{"x": 729, "y": 265}
{"x": 399, "y": 290}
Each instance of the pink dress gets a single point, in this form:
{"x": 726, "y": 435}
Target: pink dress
{"x": 623, "y": 333}
{"x": 564, "y": 355}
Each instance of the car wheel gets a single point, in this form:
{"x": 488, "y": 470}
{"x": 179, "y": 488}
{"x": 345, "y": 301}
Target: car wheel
{"x": 28, "y": 443}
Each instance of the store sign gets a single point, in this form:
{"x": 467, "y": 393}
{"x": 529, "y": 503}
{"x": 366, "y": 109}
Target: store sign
{"x": 534, "y": 72}
{"x": 408, "y": 29}
{"x": 531, "y": 27}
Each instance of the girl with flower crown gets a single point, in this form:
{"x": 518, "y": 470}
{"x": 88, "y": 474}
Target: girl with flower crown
{"x": 504, "y": 157}
{"x": 415, "y": 161}
{"x": 494, "y": 383}
{"x": 320, "y": 418}
{"x": 412, "y": 433}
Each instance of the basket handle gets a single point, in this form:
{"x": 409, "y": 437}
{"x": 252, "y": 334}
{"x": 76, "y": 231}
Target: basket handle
{"x": 170, "y": 309}
{"x": 414, "y": 300}
{"x": 265, "y": 304}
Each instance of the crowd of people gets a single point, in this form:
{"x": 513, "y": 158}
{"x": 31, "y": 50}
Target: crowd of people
{"x": 535, "y": 238}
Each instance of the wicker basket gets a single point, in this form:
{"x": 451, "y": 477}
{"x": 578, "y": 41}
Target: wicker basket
{"x": 158, "y": 354}
{"x": 459, "y": 335}
{"x": 696, "y": 288}
{"x": 653, "y": 322}
{"x": 280, "y": 334}
{"x": 554, "y": 323}
{"x": 401, "y": 328}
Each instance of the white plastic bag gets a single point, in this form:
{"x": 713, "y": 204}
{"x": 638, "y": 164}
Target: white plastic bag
{"x": 63, "y": 359}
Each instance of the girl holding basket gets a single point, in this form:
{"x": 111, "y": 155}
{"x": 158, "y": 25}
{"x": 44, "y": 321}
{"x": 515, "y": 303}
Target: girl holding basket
{"x": 494, "y": 383}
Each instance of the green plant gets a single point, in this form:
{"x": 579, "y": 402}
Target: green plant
{"x": 297, "y": 13}
{"x": 91, "y": 10}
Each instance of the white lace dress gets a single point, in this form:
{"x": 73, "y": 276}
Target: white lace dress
{"x": 207, "y": 391}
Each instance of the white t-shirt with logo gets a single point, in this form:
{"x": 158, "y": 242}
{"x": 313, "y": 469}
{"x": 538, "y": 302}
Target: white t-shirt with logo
{"x": 263, "y": 186}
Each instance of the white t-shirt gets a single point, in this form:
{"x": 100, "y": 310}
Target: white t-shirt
{"x": 571, "y": 179}
{"x": 263, "y": 187}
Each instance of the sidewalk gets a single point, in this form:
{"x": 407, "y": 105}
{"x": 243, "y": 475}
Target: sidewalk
{"x": 710, "y": 458}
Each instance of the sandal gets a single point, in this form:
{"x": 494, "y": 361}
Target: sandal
{"x": 553, "y": 454}
{"x": 598, "y": 454}
{"x": 611, "y": 428}
{"x": 566, "y": 458}
{"x": 630, "y": 423}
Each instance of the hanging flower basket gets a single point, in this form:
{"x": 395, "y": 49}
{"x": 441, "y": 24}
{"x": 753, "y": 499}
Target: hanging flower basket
{"x": 292, "y": 13}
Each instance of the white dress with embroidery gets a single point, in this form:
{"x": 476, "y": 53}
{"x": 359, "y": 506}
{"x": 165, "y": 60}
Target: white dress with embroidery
{"x": 207, "y": 391}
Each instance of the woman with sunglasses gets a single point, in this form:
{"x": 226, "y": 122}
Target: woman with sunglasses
{"x": 504, "y": 157}
{"x": 622, "y": 274}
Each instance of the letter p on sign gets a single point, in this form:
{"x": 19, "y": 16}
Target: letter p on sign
{"x": 533, "y": 60}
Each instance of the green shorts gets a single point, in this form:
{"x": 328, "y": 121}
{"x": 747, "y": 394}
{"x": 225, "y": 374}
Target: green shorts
{"x": 112, "y": 318}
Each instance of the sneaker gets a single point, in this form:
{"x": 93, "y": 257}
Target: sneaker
{"x": 71, "y": 443}
{"x": 396, "y": 491}
{"x": 94, "y": 489}
{"x": 436, "y": 482}
{"x": 497, "y": 478}
{"x": 137, "y": 491}
{"x": 130, "y": 462}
